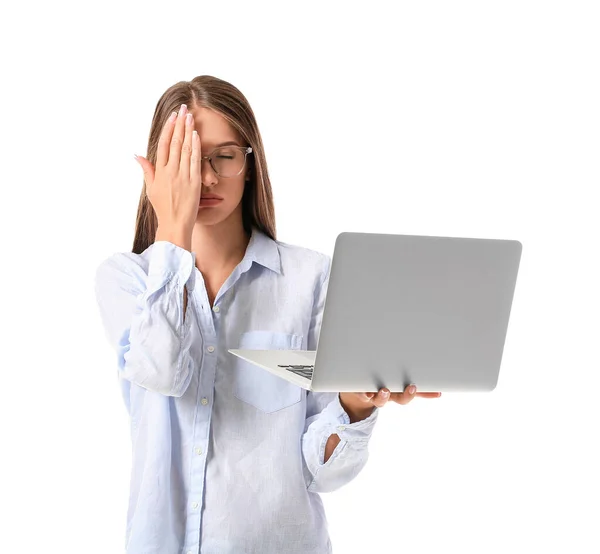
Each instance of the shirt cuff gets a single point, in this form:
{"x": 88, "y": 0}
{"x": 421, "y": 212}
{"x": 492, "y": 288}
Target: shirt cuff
{"x": 341, "y": 426}
{"x": 168, "y": 261}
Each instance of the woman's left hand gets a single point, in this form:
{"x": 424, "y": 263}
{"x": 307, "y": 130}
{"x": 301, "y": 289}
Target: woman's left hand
{"x": 360, "y": 401}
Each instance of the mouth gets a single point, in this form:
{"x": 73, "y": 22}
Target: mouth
{"x": 210, "y": 200}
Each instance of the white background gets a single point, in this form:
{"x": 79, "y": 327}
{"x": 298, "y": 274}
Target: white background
{"x": 488, "y": 114}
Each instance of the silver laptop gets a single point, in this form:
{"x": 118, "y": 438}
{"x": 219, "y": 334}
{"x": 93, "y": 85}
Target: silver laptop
{"x": 403, "y": 309}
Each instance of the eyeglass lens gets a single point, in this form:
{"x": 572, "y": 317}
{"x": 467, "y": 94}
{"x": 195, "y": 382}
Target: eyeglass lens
{"x": 228, "y": 161}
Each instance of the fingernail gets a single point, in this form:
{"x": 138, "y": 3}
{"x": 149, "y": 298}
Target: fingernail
{"x": 412, "y": 389}
{"x": 385, "y": 393}
{"x": 135, "y": 156}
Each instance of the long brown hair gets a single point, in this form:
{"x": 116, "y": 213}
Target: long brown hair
{"x": 210, "y": 92}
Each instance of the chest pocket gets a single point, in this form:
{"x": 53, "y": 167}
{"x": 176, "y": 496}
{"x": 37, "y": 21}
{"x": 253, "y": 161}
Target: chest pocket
{"x": 255, "y": 385}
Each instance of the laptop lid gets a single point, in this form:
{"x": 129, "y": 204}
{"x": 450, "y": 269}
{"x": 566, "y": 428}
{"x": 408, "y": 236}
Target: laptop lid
{"x": 427, "y": 310}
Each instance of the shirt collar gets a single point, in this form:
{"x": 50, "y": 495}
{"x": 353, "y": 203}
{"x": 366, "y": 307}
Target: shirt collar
{"x": 263, "y": 250}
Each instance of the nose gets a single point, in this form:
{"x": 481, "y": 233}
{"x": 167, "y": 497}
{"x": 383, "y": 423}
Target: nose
{"x": 207, "y": 174}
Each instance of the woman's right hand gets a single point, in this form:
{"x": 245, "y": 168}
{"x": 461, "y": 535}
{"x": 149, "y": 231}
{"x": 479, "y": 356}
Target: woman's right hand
{"x": 174, "y": 186}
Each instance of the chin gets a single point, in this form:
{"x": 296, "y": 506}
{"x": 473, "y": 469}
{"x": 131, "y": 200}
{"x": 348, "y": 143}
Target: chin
{"x": 212, "y": 215}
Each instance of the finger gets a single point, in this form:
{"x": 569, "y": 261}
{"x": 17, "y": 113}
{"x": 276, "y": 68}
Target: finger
{"x": 186, "y": 148}
{"x": 406, "y": 396}
{"x": 177, "y": 140}
{"x": 148, "y": 170}
{"x": 381, "y": 398}
{"x": 164, "y": 141}
{"x": 429, "y": 394}
{"x": 195, "y": 160}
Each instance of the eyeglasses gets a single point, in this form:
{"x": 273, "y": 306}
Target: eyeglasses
{"x": 228, "y": 161}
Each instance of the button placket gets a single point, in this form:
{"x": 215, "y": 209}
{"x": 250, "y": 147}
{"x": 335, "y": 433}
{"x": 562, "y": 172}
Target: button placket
{"x": 209, "y": 326}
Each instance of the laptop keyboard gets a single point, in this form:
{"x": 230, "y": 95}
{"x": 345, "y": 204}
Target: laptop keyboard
{"x": 302, "y": 370}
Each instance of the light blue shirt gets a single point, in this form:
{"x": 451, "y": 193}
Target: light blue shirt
{"x": 226, "y": 457}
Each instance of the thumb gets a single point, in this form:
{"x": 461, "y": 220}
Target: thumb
{"x": 147, "y": 168}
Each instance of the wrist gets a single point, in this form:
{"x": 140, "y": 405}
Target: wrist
{"x": 356, "y": 412}
{"x": 176, "y": 235}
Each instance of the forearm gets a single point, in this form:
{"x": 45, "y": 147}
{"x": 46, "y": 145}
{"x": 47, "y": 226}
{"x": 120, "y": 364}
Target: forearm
{"x": 179, "y": 237}
{"x": 158, "y": 356}
{"x": 354, "y": 415}
{"x": 145, "y": 324}
{"x": 348, "y": 443}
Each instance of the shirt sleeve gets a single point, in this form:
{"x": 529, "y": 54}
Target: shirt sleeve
{"x": 326, "y": 416}
{"x": 142, "y": 315}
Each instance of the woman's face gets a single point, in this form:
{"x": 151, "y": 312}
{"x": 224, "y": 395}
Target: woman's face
{"x": 214, "y": 131}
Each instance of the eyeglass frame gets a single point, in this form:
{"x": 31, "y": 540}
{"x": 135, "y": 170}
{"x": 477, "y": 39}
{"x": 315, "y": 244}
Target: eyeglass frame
{"x": 247, "y": 150}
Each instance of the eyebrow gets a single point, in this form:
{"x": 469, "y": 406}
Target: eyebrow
{"x": 228, "y": 143}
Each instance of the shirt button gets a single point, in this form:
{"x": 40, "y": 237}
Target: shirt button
{"x": 204, "y": 401}
{"x": 216, "y": 309}
{"x": 195, "y": 505}
{"x": 341, "y": 428}
{"x": 211, "y": 349}
{"x": 198, "y": 450}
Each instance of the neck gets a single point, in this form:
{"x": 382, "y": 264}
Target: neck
{"x": 219, "y": 247}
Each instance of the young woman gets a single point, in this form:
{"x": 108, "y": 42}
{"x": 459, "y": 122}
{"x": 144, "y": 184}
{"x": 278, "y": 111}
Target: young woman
{"x": 226, "y": 458}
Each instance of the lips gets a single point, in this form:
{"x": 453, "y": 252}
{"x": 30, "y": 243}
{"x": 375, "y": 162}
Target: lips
{"x": 211, "y": 197}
